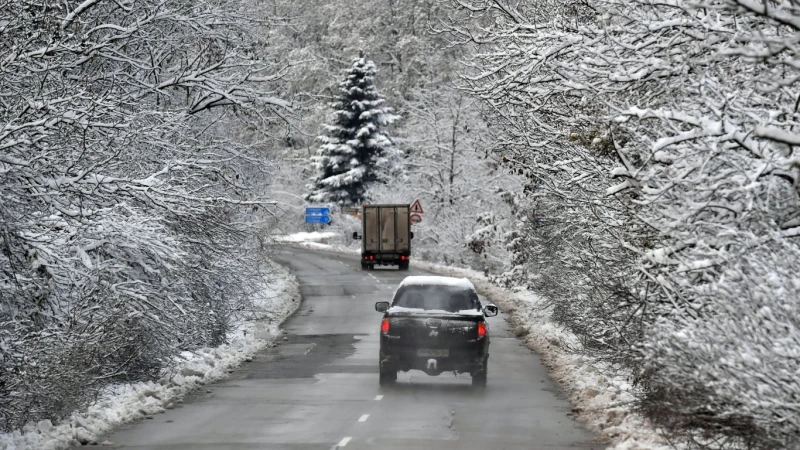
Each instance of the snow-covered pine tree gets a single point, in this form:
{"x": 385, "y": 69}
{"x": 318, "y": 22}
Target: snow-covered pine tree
{"x": 356, "y": 146}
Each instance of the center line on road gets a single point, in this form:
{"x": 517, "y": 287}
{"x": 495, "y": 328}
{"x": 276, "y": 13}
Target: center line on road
{"x": 344, "y": 442}
{"x": 363, "y": 418}
{"x": 378, "y": 398}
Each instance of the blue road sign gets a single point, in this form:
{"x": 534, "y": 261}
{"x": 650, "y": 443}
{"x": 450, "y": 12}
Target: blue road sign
{"x": 318, "y": 219}
{"x": 318, "y": 211}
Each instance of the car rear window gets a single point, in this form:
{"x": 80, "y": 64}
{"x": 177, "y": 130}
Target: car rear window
{"x": 436, "y": 297}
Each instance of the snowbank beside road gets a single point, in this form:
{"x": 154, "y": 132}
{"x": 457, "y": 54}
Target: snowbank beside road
{"x": 126, "y": 403}
{"x": 308, "y": 237}
{"x": 600, "y": 401}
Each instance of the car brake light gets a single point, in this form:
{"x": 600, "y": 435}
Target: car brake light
{"x": 402, "y": 257}
{"x": 371, "y": 257}
{"x": 385, "y": 326}
{"x": 481, "y": 329}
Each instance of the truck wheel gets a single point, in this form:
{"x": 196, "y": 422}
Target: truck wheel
{"x": 387, "y": 378}
{"x": 364, "y": 266}
{"x": 403, "y": 265}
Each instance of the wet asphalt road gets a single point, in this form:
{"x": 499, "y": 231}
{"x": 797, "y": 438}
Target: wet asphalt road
{"x": 319, "y": 389}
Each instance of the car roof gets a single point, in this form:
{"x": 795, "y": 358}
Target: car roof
{"x": 417, "y": 280}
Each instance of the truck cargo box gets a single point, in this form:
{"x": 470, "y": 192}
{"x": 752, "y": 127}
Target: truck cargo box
{"x": 386, "y": 236}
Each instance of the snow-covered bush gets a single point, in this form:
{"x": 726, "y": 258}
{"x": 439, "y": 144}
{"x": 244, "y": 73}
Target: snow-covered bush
{"x": 124, "y": 197}
{"x": 733, "y": 368}
{"x": 662, "y": 206}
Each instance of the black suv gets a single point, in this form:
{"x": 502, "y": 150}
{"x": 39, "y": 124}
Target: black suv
{"x": 435, "y": 324}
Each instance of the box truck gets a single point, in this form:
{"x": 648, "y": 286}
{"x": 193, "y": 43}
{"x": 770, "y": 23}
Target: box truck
{"x": 385, "y": 236}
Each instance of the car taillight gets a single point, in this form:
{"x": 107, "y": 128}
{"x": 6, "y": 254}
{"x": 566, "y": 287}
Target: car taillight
{"x": 481, "y": 329}
{"x": 385, "y": 326}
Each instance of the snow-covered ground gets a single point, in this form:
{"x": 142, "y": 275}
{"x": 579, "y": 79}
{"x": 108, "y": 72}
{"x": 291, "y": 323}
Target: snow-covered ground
{"x": 307, "y": 237}
{"x": 599, "y": 401}
{"x": 320, "y": 240}
{"x": 125, "y": 403}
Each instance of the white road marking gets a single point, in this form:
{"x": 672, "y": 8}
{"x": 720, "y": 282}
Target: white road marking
{"x": 344, "y": 442}
{"x": 363, "y": 418}
{"x": 378, "y": 398}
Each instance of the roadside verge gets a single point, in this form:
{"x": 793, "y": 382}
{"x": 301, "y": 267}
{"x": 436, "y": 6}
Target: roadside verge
{"x": 125, "y": 403}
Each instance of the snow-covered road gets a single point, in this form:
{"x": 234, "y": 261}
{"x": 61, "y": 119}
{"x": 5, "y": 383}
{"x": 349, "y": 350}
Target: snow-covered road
{"x": 319, "y": 388}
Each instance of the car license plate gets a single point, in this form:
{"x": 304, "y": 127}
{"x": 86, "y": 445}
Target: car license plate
{"x": 433, "y": 353}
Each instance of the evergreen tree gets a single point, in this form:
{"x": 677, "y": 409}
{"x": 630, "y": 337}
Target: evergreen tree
{"x": 355, "y": 146}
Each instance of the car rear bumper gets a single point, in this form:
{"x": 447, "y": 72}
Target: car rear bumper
{"x": 457, "y": 361}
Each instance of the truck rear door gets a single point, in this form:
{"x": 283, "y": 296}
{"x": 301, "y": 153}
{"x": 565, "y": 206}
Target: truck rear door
{"x": 395, "y": 233}
{"x": 386, "y": 229}
{"x": 403, "y": 232}
{"x": 388, "y": 224}
{"x": 372, "y": 235}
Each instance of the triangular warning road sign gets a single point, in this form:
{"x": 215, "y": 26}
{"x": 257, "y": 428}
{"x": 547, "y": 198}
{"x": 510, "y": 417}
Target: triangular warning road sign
{"x": 416, "y": 207}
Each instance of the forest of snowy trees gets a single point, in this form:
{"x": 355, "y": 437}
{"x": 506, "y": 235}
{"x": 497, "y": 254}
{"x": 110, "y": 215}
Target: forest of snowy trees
{"x": 131, "y": 182}
{"x": 661, "y": 219}
{"x": 629, "y": 161}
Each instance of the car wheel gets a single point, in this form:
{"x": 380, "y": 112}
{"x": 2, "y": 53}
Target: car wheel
{"x": 479, "y": 379}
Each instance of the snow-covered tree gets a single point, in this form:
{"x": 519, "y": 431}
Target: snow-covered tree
{"x": 124, "y": 193}
{"x": 662, "y": 215}
{"x": 447, "y": 169}
{"x": 356, "y": 147}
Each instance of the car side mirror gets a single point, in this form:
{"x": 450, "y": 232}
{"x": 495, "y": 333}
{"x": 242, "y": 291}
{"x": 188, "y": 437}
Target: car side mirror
{"x": 356, "y": 236}
{"x": 490, "y": 310}
{"x": 382, "y": 306}
{"x": 411, "y": 235}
